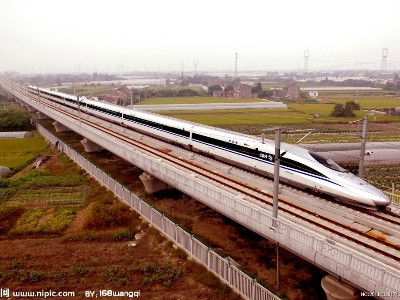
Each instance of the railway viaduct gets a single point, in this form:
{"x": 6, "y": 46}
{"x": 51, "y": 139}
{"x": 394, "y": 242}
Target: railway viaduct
{"x": 351, "y": 266}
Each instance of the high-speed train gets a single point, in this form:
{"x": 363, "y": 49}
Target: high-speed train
{"x": 298, "y": 166}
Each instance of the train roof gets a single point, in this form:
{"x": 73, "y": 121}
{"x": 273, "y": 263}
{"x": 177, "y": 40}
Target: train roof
{"x": 196, "y": 126}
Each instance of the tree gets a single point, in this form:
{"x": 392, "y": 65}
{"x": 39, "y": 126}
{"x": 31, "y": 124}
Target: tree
{"x": 187, "y": 93}
{"x": 14, "y": 120}
{"x": 257, "y": 88}
{"x": 265, "y": 94}
{"x": 338, "y": 110}
{"x": 228, "y": 88}
{"x": 213, "y": 88}
{"x": 351, "y": 105}
{"x": 345, "y": 111}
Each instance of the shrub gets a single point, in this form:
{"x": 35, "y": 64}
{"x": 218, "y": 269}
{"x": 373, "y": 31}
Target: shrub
{"x": 105, "y": 215}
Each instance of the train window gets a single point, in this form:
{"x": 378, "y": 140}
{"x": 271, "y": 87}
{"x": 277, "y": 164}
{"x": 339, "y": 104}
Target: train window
{"x": 299, "y": 166}
{"x": 327, "y": 162}
{"x": 231, "y": 146}
{"x": 152, "y": 124}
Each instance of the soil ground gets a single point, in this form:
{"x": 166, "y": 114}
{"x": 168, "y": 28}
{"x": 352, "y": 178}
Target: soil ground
{"x": 106, "y": 246}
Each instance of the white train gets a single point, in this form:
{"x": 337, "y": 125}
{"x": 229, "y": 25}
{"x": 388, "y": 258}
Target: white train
{"x": 299, "y": 167}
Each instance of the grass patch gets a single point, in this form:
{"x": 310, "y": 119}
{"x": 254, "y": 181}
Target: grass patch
{"x": 43, "y": 178}
{"x": 51, "y": 196}
{"x": 16, "y": 152}
{"x": 43, "y": 221}
{"x": 201, "y": 274}
{"x": 154, "y": 273}
{"x": 123, "y": 235}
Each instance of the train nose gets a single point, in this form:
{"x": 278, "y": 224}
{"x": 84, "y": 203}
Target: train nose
{"x": 382, "y": 201}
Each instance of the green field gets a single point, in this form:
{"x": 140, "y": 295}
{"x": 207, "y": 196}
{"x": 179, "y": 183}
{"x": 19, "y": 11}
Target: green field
{"x": 16, "y": 152}
{"x": 367, "y": 100}
{"x": 372, "y": 102}
{"x": 295, "y": 114}
{"x": 194, "y": 100}
{"x": 98, "y": 90}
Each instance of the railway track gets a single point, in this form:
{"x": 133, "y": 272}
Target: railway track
{"x": 326, "y": 225}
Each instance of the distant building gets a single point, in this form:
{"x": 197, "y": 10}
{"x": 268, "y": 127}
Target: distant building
{"x": 243, "y": 91}
{"x": 292, "y": 90}
{"x": 110, "y": 100}
{"x": 219, "y": 93}
{"x": 229, "y": 93}
{"x": 313, "y": 94}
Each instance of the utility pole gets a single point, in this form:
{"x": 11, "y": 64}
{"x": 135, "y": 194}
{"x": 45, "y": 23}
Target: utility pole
{"x": 195, "y": 62}
{"x": 357, "y": 94}
{"x": 130, "y": 92}
{"x": 277, "y": 162}
{"x": 38, "y": 91}
{"x": 276, "y": 172}
{"x": 276, "y": 193}
{"x": 236, "y": 58}
{"x": 384, "y": 61}
{"x": 79, "y": 110}
{"x": 362, "y": 151}
{"x": 182, "y": 65}
{"x": 306, "y": 56}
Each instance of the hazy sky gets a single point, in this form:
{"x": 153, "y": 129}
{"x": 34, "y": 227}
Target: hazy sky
{"x": 43, "y": 36}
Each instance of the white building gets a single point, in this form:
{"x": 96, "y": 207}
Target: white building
{"x": 313, "y": 94}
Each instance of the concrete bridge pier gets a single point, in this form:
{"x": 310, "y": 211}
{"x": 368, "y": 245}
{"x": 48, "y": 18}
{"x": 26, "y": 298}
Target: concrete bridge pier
{"x": 18, "y": 101}
{"x": 60, "y": 127}
{"x": 153, "y": 184}
{"x": 34, "y": 118}
{"x": 18, "y": 104}
{"x": 336, "y": 289}
{"x": 23, "y": 105}
{"x": 31, "y": 109}
{"x": 42, "y": 116}
{"x": 90, "y": 146}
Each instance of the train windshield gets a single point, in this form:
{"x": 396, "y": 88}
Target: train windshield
{"x": 327, "y": 162}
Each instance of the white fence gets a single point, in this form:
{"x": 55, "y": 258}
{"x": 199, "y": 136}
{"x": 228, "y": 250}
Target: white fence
{"x": 237, "y": 279}
{"x": 394, "y": 198}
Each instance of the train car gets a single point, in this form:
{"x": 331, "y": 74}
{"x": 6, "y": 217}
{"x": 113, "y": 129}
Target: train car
{"x": 299, "y": 167}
